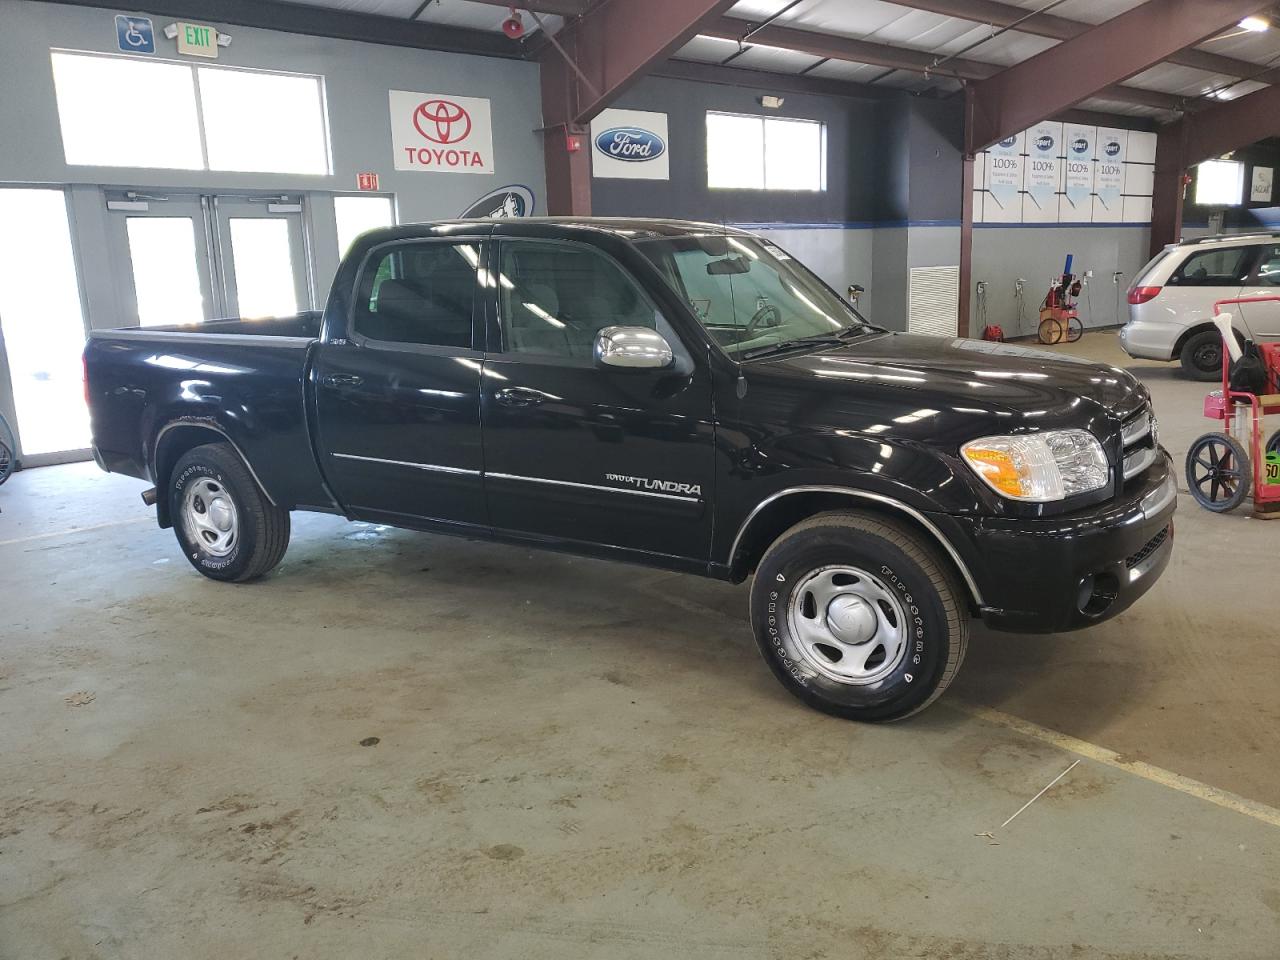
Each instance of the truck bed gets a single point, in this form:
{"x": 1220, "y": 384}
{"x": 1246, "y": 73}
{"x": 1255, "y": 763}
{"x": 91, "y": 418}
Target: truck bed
{"x": 239, "y": 381}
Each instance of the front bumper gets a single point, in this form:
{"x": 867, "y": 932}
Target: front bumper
{"x": 1067, "y": 572}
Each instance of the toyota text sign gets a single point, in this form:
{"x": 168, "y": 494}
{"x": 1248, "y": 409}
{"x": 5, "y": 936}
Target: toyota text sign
{"x": 441, "y": 133}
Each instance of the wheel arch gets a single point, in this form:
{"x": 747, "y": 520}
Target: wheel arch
{"x": 782, "y": 510}
{"x": 177, "y": 438}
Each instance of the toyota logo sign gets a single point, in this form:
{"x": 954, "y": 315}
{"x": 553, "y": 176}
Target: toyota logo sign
{"x": 441, "y": 133}
{"x": 442, "y": 121}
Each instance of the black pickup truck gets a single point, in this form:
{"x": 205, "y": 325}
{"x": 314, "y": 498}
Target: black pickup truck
{"x": 674, "y": 394}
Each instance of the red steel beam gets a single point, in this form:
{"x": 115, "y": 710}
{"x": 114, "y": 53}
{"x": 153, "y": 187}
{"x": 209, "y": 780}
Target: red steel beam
{"x": 611, "y": 46}
{"x": 1005, "y": 15}
{"x": 584, "y": 68}
{"x": 1101, "y": 57}
{"x": 1200, "y": 136}
{"x": 853, "y": 50}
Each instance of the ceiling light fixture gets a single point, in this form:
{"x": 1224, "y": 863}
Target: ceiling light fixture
{"x": 1254, "y": 24}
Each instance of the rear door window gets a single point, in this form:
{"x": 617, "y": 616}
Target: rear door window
{"x": 1218, "y": 267}
{"x": 418, "y": 293}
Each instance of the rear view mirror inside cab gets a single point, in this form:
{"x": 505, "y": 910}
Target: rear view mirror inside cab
{"x": 718, "y": 268}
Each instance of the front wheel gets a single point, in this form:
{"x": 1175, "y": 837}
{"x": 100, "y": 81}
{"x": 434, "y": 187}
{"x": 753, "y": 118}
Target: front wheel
{"x": 1049, "y": 331}
{"x": 225, "y": 524}
{"x": 857, "y": 617}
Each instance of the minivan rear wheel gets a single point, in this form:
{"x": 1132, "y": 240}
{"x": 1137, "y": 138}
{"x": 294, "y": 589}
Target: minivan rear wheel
{"x": 1202, "y": 356}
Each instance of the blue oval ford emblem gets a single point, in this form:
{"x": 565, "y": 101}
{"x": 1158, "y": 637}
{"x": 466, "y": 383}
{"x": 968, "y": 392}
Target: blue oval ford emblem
{"x": 513, "y": 200}
{"x": 1079, "y": 145}
{"x": 1009, "y": 142}
{"x": 632, "y": 144}
{"x": 1044, "y": 142}
{"x": 1112, "y": 148}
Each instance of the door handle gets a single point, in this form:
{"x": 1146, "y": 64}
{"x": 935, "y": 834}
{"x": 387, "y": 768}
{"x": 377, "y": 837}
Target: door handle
{"x": 519, "y": 397}
{"x": 341, "y": 380}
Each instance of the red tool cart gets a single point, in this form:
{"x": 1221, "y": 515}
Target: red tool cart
{"x": 1223, "y": 467}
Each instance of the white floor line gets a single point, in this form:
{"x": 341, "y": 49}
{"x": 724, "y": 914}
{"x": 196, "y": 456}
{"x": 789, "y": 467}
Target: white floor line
{"x": 67, "y": 533}
{"x": 1091, "y": 751}
{"x": 1077, "y": 761}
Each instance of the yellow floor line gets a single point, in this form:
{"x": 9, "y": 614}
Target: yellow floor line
{"x": 1091, "y": 751}
{"x": 67, "y": 533}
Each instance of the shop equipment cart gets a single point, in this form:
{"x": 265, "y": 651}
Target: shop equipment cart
{"x": 1223, "y": 467}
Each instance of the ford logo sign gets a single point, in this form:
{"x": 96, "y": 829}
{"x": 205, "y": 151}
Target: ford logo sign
{"x": 1112, "y": 148}
{"x": 1009, "y": 142}
{"x": 632, "y": 144}
{"x": 1044, "y": 142}
{"x": 513, "y": 200}
{"x": 1079, "y": 145}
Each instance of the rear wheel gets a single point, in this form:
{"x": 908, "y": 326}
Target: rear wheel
{"x": 1075, "y": 329}
{"x": 1218, "y": 472}
{"x": 1201, "y": 356}
{"x": 857, "y": 617}
{"x": 227, "y": 527}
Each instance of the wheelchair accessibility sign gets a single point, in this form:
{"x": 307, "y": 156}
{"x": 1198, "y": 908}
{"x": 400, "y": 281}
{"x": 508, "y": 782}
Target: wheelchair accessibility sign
{"x": 134, "y": 35}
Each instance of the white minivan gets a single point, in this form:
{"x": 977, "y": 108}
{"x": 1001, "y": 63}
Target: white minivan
{"x": 1171, "y": 300}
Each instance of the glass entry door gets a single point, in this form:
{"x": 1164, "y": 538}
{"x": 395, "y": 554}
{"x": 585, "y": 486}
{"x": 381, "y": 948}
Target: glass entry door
{"x": 41, "y": 326}
{"x": 185, "y": 258}
{"x": 264, "y": 260}
{"x": 163, "y": 258}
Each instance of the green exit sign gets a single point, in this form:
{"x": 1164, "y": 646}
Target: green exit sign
{"x": 197, "y": 40}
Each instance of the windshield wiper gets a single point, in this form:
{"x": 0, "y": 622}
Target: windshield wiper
{"x": 783, "y": 346}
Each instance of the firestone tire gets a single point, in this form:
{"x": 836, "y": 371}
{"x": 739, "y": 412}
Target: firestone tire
{"x": 224, "y": 523}
{"x": 816, "y": 593}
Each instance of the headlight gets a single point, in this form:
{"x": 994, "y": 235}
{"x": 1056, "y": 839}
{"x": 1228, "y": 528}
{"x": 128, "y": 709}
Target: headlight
{"x": 1039, "y": 467}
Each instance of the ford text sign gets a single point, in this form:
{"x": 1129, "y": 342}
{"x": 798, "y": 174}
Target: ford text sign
{"x": 632, "y": 144}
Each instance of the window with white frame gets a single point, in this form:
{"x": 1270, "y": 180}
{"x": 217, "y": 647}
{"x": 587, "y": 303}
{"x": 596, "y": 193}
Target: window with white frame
{"x": 748, "y": 152}
{"x": 1220, "y": 183}
{"x": 126, "y": 112}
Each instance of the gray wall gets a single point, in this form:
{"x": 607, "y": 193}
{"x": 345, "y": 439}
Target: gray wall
{"x": 1003, "y": 253}
{"x": 357, "y": 78}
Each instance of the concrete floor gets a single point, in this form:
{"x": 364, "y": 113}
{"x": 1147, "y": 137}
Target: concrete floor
{"x": 581, "y": 760}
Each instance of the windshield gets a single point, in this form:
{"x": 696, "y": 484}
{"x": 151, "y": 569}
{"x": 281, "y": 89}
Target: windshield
{"x": 750, "y": 294}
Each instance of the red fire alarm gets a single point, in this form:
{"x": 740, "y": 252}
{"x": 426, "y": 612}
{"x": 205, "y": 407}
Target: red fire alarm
{"x": 572, "y": 142}
{"x": 366, "y": 181}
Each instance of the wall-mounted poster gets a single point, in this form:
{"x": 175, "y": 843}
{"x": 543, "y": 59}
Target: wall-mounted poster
{"x": 1003, "y": 201}
{"x": 1108, "y": 176}
{"x": 440, "y": 133}
{"x": 1077, "y": 190}
{"x": 630, "y": 145}
{"x": 1263, "y": 180}
{"x": 1042, "y": 178}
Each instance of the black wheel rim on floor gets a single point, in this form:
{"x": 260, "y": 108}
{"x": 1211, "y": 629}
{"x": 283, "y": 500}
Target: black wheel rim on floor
{"x": 1218, "y": 472}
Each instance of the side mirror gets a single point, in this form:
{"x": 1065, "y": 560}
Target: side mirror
{"x": 633, "y": 347}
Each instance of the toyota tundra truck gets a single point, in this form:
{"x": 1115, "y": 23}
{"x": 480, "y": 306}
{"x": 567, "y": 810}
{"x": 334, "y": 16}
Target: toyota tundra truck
{"x": 674, "y": 394}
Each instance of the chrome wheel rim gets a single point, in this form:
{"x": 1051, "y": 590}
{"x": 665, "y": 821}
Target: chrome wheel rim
{"x": 210, "y": 516}
{"x": 848, "y": 625}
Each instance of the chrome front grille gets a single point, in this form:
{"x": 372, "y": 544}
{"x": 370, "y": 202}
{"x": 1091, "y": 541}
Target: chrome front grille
{"x": 1138, "y": 437}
